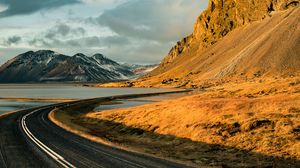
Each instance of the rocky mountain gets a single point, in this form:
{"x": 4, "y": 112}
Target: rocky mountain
{"x": 223, "y": 16}
{"x": 234, "y": 39}
{"x": 46, "y": 65}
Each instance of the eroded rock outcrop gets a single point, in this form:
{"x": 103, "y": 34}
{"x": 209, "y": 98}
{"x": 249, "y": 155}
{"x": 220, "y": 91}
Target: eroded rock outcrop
{"x": 220, "y": 18}
{"x": 233, "y": 40}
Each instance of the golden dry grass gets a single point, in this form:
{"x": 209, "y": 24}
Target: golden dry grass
{"x": 261, "y": 116}
{"x": 237, "y": 124}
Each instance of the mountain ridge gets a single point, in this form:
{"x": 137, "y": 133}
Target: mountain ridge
{"x": 47, "y": 65}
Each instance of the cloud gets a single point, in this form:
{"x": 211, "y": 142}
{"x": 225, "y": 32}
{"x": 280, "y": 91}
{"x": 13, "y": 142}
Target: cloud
{"x": 22, "y": 7}
{"x": 151, "y": 27}
{"x": 102, "y": 2}
{"x": 136, "y": 31}
{"x": 138, "y": 51}
{"x": 83, "y": 42}
{"x": 62, "y": 35}
{"x": 3, "y": 7}
{"x": 11, "y": 40}
{"x": 63, "y": 30}
{"x": 115, "y": 41}
{"x": 159, "y": 20}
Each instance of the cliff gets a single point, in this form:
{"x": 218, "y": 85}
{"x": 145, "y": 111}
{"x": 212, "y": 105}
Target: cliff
{"x": 220, "y": 18}
{"x": 233, "y": 40}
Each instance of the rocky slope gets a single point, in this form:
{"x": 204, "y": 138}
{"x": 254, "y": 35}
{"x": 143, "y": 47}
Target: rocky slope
{"x": 221, "y": 17}
{"x": 234, "y": 39}
{"x": 45, "y": 65}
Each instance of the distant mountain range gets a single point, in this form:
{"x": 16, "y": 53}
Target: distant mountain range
{"x": 49, "y": 66}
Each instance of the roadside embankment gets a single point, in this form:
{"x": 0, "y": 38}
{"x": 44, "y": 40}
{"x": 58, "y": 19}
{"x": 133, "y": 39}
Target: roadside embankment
{"x": 66, "y": 117}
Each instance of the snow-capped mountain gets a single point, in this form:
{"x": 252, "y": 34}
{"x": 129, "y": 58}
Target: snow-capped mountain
{"x": 46, "y": 65}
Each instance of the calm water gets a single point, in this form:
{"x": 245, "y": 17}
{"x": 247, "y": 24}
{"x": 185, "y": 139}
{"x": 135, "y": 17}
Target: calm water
{"x": 67, "y": 91}
{"x": 10, "y": 105}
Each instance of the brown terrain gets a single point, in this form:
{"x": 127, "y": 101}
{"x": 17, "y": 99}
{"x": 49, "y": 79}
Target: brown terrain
{"x": 244, "y": 65}
{"x": 232, "y": 40}
{"x": 254, "y": 124}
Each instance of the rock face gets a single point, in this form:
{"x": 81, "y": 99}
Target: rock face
{"x": 234, "y": 39}
{"x": 46, "y": 65}
{"x": 220, "y": 18}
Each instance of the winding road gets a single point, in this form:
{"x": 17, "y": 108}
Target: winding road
{"x": 29, "y": 139}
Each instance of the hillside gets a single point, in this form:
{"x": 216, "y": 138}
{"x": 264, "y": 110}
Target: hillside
{"x": 233, "y": 40}
{"x": 250, "y": 124}
{"x": 244, "y": 65}
{"x": 46, "y": 65}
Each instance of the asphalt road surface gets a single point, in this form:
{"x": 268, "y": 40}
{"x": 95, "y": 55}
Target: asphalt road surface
{"x": 29, "y": 139}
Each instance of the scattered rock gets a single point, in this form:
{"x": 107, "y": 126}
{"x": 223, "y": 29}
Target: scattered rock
{"x": 259, "y": 123}
{"x": 294, "y": 83}
{"x": 129, "y": 84}
{"x": 167, "y": 81}
{"x": 225, "y": 130}
{"x": 258, "y": 74}
{"x": 296, "y": 130}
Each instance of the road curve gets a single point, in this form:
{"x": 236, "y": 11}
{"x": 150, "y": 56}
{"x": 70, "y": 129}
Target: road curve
{"x": 29, "y": 139}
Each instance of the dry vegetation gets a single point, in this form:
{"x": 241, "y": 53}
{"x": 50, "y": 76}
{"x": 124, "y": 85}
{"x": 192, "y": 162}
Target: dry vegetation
{"x": 247, "y": 116}
{"x": 255, "y": 123}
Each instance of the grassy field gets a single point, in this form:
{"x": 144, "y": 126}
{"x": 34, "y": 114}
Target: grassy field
{"x": 255, "y": 123}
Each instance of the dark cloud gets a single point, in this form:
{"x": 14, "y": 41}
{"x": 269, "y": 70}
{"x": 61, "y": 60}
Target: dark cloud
{"x": 95, "y": 41}
{"x": 40, "y": 42}
{"x": 83, "y": 42}
{"x": 64, "y": 36}
{"x": 12, "y": 40}
{"x": 21, "y": 7}
{"x": 164, "y": 21}
{"x": 63, "y": 30}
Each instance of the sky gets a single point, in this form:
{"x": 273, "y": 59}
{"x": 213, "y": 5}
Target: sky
{"x": 128, "y": 31}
